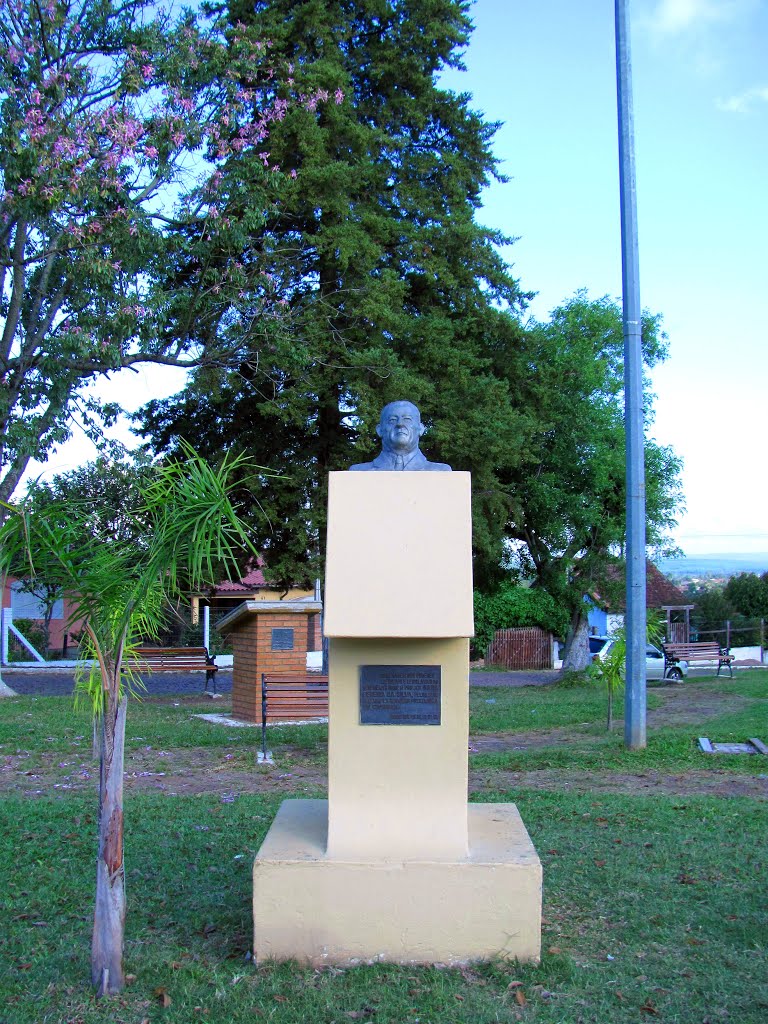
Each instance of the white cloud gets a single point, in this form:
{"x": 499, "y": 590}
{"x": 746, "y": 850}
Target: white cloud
{"x": 670, "y": 17}
{"x": 741, "y": 103}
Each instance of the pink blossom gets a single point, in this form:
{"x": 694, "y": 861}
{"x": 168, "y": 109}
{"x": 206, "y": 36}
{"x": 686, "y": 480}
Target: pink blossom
{"x": 151, "y": 152}
{"x": 147, "y": 71}
{"x": 14, "y": 56}
{"x": 338, "y": 96}
{"x": 293, "y": 172}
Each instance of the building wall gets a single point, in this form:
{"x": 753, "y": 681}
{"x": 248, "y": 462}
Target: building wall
{"x": 27, "y": 606}
{"x": 598, "y": 621}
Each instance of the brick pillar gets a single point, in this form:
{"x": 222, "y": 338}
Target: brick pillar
{"x": 270, "y": 637}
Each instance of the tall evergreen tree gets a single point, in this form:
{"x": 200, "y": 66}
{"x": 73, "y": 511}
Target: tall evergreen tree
{"x": 391, "y": 287}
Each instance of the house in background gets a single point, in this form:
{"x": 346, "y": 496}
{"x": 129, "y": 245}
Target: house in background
{"x": 19, "y": 605}
{"x": 661, "y": 595}
{"x": 254, "y": 586}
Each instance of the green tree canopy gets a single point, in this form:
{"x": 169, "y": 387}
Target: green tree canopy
{"x": 748, "y": 593}
{"x": 390, "y": 286}
{"x": 565, "y": 498}
{"x": 105, "y": 493}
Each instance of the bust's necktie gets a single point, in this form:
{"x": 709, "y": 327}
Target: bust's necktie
{"x": 399, "y": 462}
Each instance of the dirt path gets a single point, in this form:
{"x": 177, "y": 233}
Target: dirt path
{"x": 230, "y": 772}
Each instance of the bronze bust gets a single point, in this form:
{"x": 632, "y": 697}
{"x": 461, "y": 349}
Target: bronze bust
{"x": 400, "y": 429}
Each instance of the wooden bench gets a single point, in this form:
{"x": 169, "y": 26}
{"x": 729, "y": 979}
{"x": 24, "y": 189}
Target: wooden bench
{"x": 697, "y": 652}
{"x": 175, "y": 659}
{"x": 295, "y": 698}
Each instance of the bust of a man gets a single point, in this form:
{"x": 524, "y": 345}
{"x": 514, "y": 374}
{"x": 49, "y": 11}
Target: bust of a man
{"x": 400, "y": 429}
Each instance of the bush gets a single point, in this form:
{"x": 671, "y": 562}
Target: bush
{"x": 512, "y": 606}
{"x": 34, "y": 632}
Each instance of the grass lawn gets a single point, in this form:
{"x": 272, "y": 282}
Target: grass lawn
{"x": 654, "y": 906}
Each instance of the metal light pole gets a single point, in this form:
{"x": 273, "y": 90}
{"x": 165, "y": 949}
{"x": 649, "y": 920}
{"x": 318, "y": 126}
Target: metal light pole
{"x": 635, "y": 695}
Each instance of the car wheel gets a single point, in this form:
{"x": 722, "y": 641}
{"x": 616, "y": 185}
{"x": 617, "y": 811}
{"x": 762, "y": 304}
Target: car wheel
{"x": 675, "y": 674}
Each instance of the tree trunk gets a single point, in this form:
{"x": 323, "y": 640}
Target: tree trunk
{"x": 576, "y": 656}
{"x": 109, "y": 916}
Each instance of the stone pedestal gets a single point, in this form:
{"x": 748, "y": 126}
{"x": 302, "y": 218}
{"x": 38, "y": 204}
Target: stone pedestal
{"x": 320, "y": 909}
{"x": 396, "y": 866}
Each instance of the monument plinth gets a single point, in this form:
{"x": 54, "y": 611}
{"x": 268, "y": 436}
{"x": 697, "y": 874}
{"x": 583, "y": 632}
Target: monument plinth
{"x": 396, "y": 866}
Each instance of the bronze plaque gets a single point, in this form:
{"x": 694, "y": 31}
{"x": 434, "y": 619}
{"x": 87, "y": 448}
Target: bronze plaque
{"x": 282, "y": 639}
{"x": 400, "y": 694}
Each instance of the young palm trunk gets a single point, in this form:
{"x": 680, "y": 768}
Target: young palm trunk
{"x": 610, "y": 707}
{"x": 109, "y": 916}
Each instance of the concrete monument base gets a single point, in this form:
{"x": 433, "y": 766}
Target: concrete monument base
{"x": 321, "y": 910}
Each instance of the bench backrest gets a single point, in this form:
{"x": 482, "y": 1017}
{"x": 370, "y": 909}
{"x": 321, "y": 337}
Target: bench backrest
{"x": 703, "y": 649}
{"x": 295, "y": 698}
{"x": 175, "y": 657}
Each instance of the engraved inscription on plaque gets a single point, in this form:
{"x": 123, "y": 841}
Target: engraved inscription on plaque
{"x": 400, "y": 694}
{"x": 282, "y": 639}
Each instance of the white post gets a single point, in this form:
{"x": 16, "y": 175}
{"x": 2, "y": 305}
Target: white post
{"x": 207, "y": 628}
{"x": 5, "y": 616}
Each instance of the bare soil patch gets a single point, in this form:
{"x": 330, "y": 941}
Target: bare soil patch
{"x": 230, "y": 772}
{"x": 692, "y": 783}
{"x": 682, "y": 704}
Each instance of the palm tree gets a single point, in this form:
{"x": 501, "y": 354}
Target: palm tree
{"x": 190, "y": 533}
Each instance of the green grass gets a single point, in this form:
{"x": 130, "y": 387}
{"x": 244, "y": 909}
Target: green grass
{"x": 746, "y": 684}
{"x": 649, "y": 904}
{"x": 32, "y": 723}
{"x": 670, "y": 749}
{"x": 508, "y": 709}
{"x": 652, "y": 906}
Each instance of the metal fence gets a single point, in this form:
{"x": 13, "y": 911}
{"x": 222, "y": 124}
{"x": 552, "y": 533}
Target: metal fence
{"x": 751, "y": 633}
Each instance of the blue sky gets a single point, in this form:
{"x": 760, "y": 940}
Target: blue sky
{"x": 700, "y": 83}
{"x": 700, "y": 79}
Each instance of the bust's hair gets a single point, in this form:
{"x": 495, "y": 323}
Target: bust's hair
{"x": 399, "y": 401}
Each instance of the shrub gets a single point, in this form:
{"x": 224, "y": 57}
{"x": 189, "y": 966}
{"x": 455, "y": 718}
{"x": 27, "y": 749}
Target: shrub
{"x": 511, "y": 606}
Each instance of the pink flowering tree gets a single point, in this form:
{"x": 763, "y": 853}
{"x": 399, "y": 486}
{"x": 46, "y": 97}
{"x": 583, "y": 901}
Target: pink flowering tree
{"x": 119, "y": 127}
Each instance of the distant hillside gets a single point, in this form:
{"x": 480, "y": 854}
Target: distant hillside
{"x": 714, "y": 565}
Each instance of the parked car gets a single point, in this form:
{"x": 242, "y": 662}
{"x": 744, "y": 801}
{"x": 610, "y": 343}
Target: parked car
{"x": 654, "y": 659}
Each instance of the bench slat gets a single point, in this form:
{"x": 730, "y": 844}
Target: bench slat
{"x": 295, "y": 698}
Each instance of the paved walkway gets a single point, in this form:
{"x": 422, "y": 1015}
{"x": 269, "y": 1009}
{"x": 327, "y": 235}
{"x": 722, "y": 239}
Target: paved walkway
{"x": 51, "y": 682}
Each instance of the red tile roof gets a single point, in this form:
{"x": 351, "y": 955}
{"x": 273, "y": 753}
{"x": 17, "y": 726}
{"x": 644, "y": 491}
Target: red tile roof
{"x": 252, "y": 580}
{"x": 660, "y": 592}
